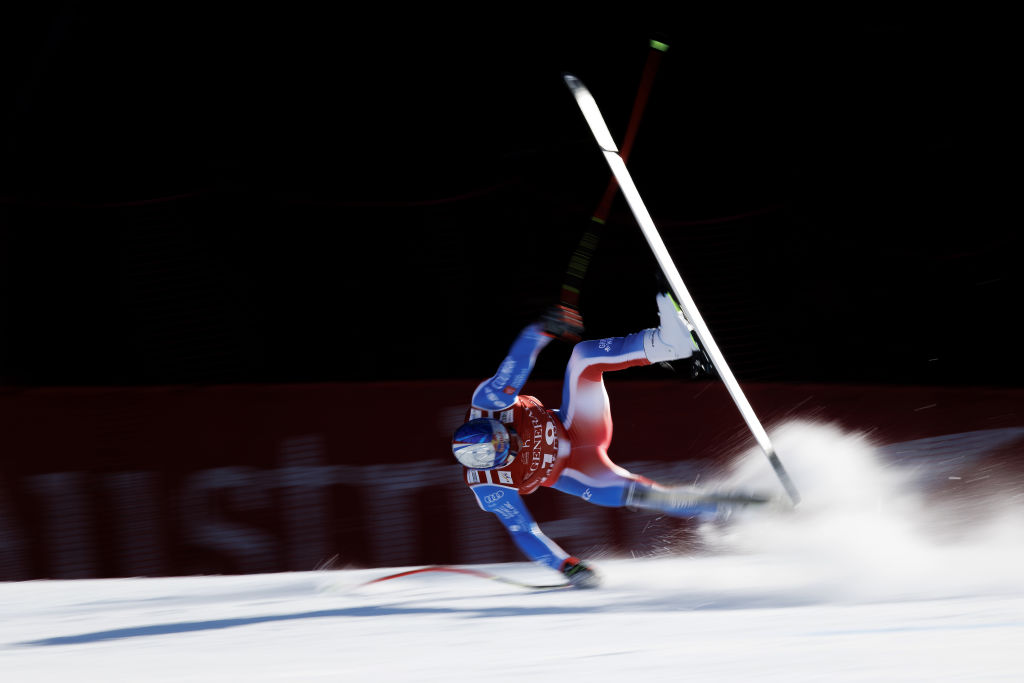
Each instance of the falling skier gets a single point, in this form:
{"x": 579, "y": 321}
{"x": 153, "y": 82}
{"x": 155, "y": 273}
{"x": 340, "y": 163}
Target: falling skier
{"x": 511, "y": 444}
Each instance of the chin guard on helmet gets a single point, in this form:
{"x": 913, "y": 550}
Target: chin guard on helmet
{"x": 485, "y": 444}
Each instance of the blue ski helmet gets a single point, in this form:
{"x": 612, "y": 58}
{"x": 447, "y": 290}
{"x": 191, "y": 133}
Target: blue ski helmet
{"x": 484, "y": 444}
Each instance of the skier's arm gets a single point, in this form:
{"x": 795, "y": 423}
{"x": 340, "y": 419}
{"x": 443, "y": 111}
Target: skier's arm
{"x": 500, "y": 391}
{"x": 507, "y": 504}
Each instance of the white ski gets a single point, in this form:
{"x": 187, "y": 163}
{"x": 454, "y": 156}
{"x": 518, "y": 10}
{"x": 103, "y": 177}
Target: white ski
{"x": 599, "y": 128}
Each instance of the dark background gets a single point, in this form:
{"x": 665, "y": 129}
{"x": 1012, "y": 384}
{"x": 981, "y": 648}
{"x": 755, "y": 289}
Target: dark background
{"x": 235, "y": 195}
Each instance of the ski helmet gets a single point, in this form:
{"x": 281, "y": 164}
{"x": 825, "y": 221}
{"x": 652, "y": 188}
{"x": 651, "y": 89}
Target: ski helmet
{"x": 484, "y": 444}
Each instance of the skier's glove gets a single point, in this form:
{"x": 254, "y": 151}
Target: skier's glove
{"x": 579, "y": 574}
{"x": 563, "y": 322}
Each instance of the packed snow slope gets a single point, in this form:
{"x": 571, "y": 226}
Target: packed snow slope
{"x": 891, "y": 570}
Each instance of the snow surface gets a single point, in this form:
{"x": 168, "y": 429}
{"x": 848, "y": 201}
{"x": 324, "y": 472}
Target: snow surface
{"x": 872, "y": 579}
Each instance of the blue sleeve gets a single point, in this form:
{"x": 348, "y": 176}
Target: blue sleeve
{"x": 500, "y": 391}
{"x": 507, "y": 504}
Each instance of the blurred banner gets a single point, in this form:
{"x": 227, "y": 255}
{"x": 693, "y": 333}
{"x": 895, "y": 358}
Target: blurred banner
{"x": 184, "y": 480}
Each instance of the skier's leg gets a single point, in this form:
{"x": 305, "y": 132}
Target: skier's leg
{"x": 585, "y": 410}
{"x": 584, "y": 398}
{"x": 592, "y": 476}
{"x": 586, "y": 414}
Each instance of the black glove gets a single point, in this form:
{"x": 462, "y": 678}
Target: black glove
{"x": 579, "y": 574}
{"x": 563, "y": 322}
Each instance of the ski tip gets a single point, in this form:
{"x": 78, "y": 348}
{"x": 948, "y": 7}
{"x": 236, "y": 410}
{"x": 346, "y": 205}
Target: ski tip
{"x": 571, "y": 81}
{"x": 659, "y": 46}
